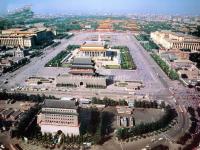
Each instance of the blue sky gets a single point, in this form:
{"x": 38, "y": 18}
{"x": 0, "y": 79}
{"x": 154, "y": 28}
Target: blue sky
{"x": 125, "y": 6}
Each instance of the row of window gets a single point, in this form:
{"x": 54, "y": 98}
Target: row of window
{"x": 61, "y": 122}
{"x": 59, "y": 110}
{"x": 58, "y": 115}
{"x": 58, "y": 118}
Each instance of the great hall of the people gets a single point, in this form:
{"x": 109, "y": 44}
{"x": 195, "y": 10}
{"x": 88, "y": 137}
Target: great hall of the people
{"x": 23, "y": 37}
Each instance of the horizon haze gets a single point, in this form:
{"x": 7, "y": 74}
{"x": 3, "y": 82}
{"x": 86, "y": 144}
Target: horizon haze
{"x": 179, "y": 7}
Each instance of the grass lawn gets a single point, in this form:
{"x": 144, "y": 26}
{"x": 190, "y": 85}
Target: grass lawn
{"x": 126, "y": 59}
{"x": 56, "y": 61}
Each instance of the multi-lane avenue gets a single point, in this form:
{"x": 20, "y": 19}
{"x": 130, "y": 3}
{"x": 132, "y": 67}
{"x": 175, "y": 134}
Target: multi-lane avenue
{"x": 156, "y": 82}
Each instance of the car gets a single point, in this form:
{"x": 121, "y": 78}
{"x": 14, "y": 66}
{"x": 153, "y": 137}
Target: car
{"x": 2, "y": 147}
{"x": 152, "y": 140}
{"x": 147, "y": 146}
{"x": 160, "y": 139}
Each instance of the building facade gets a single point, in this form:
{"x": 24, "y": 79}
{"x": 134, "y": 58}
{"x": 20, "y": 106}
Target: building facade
{"x": 23, "y": 37}
{"x": 77, "y": 81}
{"x": 82, "y": 73}
{"x": 93, "y": 49}
{"x": 82, "y": 66}
{"x": 100, "y": 53}
{"x": 59, "y": 115}
{"x": 16, "y": 40}
{"x": 172, "y": 40}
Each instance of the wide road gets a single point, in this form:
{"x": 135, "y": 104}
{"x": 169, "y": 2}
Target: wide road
{"x": 156, "y": 82}
{"x": 37, "y": 64}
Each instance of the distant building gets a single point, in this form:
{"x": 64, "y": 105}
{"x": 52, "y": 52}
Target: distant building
{"x": 181, "y": 64}
{"x": 132, "y": 26}
{"x": 175, "y": 52}
{"x": 172, "y": 40}
{"x": 105, "y": 26}
{"x": 59, "y": 115}
{"x": 23, "y": 37}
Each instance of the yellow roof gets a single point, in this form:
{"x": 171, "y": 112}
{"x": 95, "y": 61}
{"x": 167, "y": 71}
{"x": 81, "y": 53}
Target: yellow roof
{"x": 92, "y": 48}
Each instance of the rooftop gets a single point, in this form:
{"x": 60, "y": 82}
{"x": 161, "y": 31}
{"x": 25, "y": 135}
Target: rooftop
{"x": 50, "y": 103}
{"x": 183, "y": 61}
{"x": 94, "y": 44}
{"x": 20, "y": 32}
{"x": 82, "y": 61}
{"x": 185, "y": 37}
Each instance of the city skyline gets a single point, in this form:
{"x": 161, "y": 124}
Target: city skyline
{"x": 179, "y": 7}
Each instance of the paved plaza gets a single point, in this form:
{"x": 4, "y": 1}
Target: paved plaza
{"x": 147, "y": 71}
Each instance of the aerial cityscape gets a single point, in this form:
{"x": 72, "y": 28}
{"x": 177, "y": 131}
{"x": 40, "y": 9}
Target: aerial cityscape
{"x": 99, "y": 75}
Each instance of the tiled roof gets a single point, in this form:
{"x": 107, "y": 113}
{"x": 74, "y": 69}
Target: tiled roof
{"x": 82, "y": 61}
{"x": 49, "y": 103}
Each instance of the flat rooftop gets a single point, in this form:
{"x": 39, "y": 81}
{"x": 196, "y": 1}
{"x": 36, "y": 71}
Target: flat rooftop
{"x": 93, "y": 44}
{"x": 63, "y": 104}
{"x": 82, "y": 61}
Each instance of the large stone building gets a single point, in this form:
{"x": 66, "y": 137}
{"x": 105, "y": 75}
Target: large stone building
{"x": 82, "y": 66}
{"x": 82, "y": 73}
{"x": 23, "y": 37}
{"x": 172, "y": 40}
{"x": 93, "y": 49}
{"x": 100, "y": 53}
{"x": 67, "y": 80}
{"x": 59, "y": 115}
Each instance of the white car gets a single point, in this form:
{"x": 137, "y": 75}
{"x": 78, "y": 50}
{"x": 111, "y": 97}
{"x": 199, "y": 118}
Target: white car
{"x": 152, "y": 140}
{"x": 147, "y": 146}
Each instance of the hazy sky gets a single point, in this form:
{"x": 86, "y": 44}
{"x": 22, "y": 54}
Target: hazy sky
{"x": 115, "y": 6}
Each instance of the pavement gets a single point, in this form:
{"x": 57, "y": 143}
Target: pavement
{"x": 156, "y": 82}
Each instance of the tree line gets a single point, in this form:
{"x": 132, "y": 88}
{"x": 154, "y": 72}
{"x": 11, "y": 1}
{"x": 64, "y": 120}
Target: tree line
{"x": 26, "y": 123}
{"x": 149, "y": 104}
{"x": 127, "y": 61}
{"x": 14, "y": 66}
{"x": 171, "y": 73}
{"x": 24, "y": 97}
{"x": 109, "y": 102}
